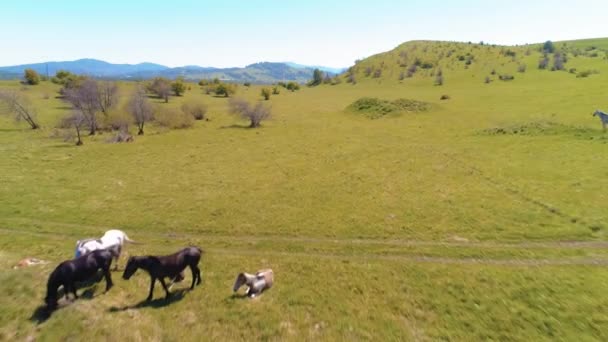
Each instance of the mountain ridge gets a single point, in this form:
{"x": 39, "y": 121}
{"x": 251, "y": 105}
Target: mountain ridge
{"x": 261, "y": 72}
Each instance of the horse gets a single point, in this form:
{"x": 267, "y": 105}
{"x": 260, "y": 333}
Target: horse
{"x": 170, "y": 266}
{"x": 256, "y": 283}
{"x": 603, "y": 117}
{"x": 82, "y": 268}
{"x": 112, "y": 239}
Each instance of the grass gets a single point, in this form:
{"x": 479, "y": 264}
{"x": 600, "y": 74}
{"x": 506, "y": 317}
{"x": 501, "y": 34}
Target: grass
{"x": 460, "y": 224}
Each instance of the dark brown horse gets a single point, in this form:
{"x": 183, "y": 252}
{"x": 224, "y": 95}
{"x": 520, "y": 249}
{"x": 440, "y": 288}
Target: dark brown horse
{"x": 79, "y": 269}
{"x": 170, "y": 266}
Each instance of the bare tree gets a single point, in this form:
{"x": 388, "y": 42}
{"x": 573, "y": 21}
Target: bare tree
{"x": 255, "y": 114}
{"x": 17, "y": 106}
{"x": 107, "y": 92}
{"x": 140, "y": 108}
{"x": 78, "y": 120}
{"x": 85, "y": 98}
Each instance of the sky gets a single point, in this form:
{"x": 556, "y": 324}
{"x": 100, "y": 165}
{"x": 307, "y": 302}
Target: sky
{"x": 223, "y": 33}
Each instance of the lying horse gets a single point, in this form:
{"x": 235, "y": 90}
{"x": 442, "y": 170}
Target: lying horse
{"x": 112, "y": 239}
{"x": 170, "y": 266}
{"x": 79, "y": 269}
{"x": 256, "y": 283}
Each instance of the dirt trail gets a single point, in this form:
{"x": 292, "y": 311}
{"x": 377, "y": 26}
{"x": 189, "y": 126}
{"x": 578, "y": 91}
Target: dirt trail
{"x": 369, "y": 256}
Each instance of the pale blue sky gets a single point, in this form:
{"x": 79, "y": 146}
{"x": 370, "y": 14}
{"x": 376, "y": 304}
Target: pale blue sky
{"x": 236, "y": 33}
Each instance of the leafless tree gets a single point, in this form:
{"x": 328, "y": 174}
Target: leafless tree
{"x": 17, "y": 106}
{"x": 140, "y": 108}
{"x": 78, "y": 121}
{"x": 107, "y": 92}
{"x": 255, "y": 114}
{"x": 85, "y": 99}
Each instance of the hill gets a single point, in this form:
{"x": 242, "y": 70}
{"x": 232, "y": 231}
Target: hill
{"x": 423, "y": 61}
{"x": 265, "y": 72}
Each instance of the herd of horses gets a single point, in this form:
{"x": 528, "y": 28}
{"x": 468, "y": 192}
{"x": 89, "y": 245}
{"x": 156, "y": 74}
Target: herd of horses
{"x": 93, "y": 255}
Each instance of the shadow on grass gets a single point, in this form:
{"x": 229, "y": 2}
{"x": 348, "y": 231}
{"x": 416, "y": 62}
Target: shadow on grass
{"x": 175, "y": 296}
{"x": 16, "y": 129}
{"x": 235, "y": 126}
{"x": 43, "y": 313}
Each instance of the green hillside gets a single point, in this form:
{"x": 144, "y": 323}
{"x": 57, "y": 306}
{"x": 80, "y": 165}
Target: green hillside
{"x": 420, "y": 61}
{"x": 385, "y": 212}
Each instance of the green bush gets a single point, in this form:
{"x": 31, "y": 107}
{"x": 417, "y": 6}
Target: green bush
{"x": 375, "y": 108}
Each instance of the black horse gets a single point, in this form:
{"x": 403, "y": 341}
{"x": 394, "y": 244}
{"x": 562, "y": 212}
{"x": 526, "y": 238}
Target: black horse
{"x": 79, "y": 269}
{"x": 170, "y": 266}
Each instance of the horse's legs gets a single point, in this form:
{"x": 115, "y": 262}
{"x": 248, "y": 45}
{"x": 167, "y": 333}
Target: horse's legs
{"x": 196, "y": 275}
{"x": 108, "y": 276}
{"x": 162, "y": 282}
{"x": 151, "y": 287}
{"x": 72, "y": 286}
{"x": 117, "y": 256}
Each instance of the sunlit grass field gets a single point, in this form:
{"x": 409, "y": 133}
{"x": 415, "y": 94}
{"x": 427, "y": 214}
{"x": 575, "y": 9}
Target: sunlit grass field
{"x": 481, "y": 219}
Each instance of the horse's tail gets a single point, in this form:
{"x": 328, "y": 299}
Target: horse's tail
{"x": 131, "y": 241}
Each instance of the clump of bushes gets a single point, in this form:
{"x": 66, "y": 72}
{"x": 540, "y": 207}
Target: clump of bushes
{"x": 173, "y": 118}
{"x": 375, "y": 108}
{"x": 586, "y": 73}
{"x": 196, "y": 109}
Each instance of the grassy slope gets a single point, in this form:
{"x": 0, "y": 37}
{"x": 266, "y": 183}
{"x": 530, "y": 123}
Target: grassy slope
{"x": 342, "y": 208}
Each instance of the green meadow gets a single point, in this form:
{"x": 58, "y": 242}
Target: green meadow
{"x": 479, "y": 217}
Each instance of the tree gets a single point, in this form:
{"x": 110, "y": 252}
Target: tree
{"x": 85, "y": 98}
{"x": 140, "y": 108}
{"x": 255, "y": 114}
{"x": 31, "y": 77}
{"x": 107, "y": 94}
{"x": 161, "y": 87}
{"x": 317, "y": 78}
{"x": 178, "y": 86}
{"x": 548, "y": 47}
{"x": 265, "y": 93}
{"x": 18, "y": 107}
{"x": 77, "y": 120}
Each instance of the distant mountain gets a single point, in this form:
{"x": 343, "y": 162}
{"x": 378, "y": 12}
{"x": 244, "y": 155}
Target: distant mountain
{"x": 87, "y": 66}
{"x": 265, "y": 72}
{"x": 330, "y": 70}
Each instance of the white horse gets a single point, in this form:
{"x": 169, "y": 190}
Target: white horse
{"x": 112, "y": 239}
{"x": 256, "y": 283}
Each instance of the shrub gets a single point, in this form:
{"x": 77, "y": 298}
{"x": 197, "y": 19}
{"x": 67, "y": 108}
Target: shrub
{"x": 426, "y": 65}
{"x": 558, "y": 62}
{"x": 587, "y": 73}
{"x": 31, "y": 77}
{"x": 506, "y": 77}
{"x": 178, "y": 86}
{"x": 439, "y": 80}
{"x": 255, "y": 114}
{"x": 488, "y": 80}
{"x": 265, "y": 93}
{"x": 444, "y": 97}
{"x": 292, "y": 86}
{"x": 196, "y": 109}
{"x": 375, "y": 108}
{"x": 543, "y": 62}
{"x": 368, "y": 71}
{"x": 225, "y": 89}
{"x": 521, "y": 68}
{"x": 377, "y": 73}
{"x": 276, "y": 90}
{"x": 247, "y": 84}
{"x": 173, "y": 118}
